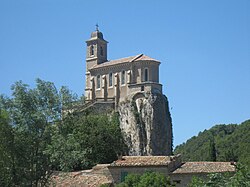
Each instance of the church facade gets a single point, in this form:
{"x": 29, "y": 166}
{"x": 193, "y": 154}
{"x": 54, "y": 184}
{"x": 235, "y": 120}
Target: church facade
{"x": 117, "y": 79}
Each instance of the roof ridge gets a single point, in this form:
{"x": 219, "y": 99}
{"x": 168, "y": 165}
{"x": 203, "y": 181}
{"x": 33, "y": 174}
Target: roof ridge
{"x": 147, "y": 156}
{"x": 208, "y": 162}
{"x": 136, "y": 57}
{"x": 130, "y": 59}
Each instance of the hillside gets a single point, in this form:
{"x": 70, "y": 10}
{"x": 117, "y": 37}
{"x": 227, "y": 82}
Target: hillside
{"x": 220, "y": 143}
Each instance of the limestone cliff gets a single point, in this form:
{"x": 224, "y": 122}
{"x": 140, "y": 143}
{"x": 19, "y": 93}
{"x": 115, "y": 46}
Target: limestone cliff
{"x": 146, "y": 124}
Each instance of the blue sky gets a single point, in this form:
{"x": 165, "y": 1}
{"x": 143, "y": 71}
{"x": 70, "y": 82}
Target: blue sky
{"x": 204, "y": 47}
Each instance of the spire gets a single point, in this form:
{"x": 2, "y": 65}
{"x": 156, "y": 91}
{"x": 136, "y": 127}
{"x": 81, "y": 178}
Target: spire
{"x": 96, "y": 34}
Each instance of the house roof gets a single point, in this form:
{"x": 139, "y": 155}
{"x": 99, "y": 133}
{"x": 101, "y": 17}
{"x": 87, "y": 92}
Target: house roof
{"x": 94, "y": 177}
{"x": 78, "y": 179}
{"x": 205, "y": 167}
{"x": 140, "y": 57}
{"x": 142, "y": 161}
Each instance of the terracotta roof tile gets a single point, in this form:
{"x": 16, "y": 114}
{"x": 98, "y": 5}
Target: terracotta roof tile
{"x": 86, "y": 178}
{"x": 205, "y": 167}
{"x": 140, "y": 57}
{"x": 142, "y": 161}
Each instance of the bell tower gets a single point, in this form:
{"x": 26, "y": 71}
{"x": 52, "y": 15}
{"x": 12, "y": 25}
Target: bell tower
{"x": 96, "y": 49}
{"x": 96, "y": 54}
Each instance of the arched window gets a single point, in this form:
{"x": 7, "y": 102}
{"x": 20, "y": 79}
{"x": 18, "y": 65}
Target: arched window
{"x": 110, "y": 79}
{"x": 91, "y": 50}
{"x": 123, "y": 77}
{"x": 98, "y": 82}
{"x": 146, "y": 74}
{"x": 101, "y": 50}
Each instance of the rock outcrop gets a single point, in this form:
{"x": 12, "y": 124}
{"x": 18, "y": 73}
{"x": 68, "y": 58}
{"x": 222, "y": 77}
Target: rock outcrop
{"x": 146, "y": 124}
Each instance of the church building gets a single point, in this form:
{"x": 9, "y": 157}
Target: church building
{"x": 117, "y": 79}
{"x": 129, "y": 86}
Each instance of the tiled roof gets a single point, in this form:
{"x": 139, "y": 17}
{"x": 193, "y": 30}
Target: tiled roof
{"x": 140, "y": 57}
{"x": 142, "y": 161}
{"x": 205, "y": 167}
{"x": 86, "y": 178}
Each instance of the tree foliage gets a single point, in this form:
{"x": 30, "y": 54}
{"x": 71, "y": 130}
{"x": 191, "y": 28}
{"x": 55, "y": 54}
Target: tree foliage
{"x": 220, "y": 143}
{"x": 34, "y": 140}
{"x": 240, "y": 178}
{"x": 82, "y": 140}
{"x": 6, "y": 150}
{"x": 30, "y": 111}
{"x": 149, "y": 179}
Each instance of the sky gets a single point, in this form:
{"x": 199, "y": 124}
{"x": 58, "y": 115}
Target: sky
{"x": 203, "y": 46}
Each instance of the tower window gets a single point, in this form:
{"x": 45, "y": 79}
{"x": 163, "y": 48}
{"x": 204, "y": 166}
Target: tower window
{"x": 146, "y": 74}
{"x": 110, "y": 79}
{"x": 123, "y": 77}
{"x": 98, "y": 82}
{"x": 91, "y": 50}
{"x": 101, "y": 50}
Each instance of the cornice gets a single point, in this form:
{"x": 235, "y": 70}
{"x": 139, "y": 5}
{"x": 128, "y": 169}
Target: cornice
{"x": 124, "y": 65}
{"x": 111, "y": 67}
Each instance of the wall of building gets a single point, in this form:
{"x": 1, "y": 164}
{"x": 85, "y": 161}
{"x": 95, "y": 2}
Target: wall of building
{"x": 133, "y": 75}
{"x": 117, "y": 172}
{"x": 145, "y": 87}
{"x": 117, "y": 88}
{"x": 139, "y": 72}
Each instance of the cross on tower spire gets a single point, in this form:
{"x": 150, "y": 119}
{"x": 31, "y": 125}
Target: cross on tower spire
{"x": 97, "y": 27}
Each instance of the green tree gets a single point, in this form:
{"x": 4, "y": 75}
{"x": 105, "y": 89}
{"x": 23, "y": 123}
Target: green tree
{"x": 36, "y": 140}
{"x": 212, "y": 151}
{"x": 220, "y": 143}
{"x": 240, "y": 178}
{"x": 65, "y": 152}
{"x": 149, "y": 179}
{"x": 31, "y": 112}
{"x": 130, "y": 180}
{"x": 196, "y": 182}
{"x": 6, "y": 150}
{"x": 82, "y": 140}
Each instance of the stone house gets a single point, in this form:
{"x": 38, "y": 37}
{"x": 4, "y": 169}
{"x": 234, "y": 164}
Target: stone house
{"x": 140, "y": 164}
{"x": 183, "y": 175}
{"x": 117, "y": 79}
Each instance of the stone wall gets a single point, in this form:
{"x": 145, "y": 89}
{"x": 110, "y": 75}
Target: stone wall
{"x": 146, "y": 87}
{"x": 102, "y": 108}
